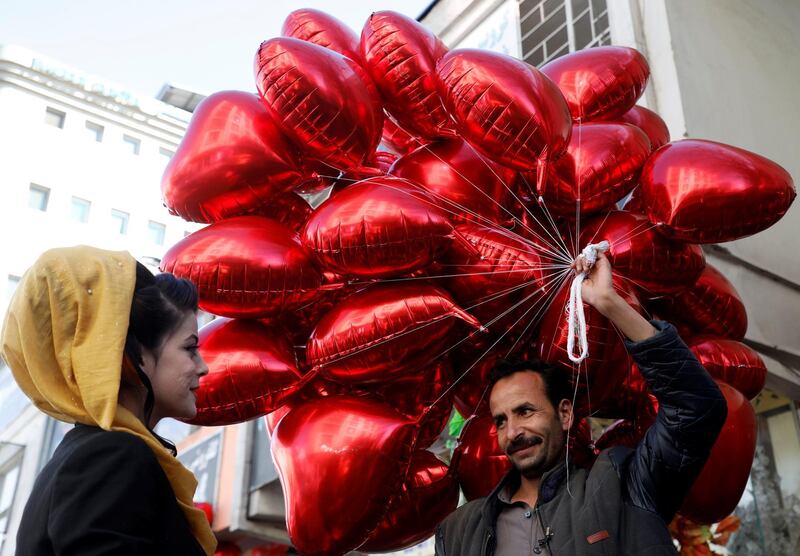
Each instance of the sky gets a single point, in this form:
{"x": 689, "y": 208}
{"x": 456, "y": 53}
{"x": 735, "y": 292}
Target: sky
{"x": 202, "y": 45}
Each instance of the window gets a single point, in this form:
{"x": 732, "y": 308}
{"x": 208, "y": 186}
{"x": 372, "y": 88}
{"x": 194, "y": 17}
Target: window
{"x": 12, "y": 401}
{"x": 552, "y": 28}
{"x": 80, "y": 210}
{"x": 132, "y": 142}
{"x": 54, "y": 118}
{"x": 13, "y": 282}
{"x": 8, "y": 487}
{"x": 156, "y": 231}
{"x": 770, "y": 506}
{"x": 166, "y": 153}
{"x": 119, "y": 221}
{"x": 38, "y": 197}
{"x": 54, "y": 433}
{"x": 95, "y": 131}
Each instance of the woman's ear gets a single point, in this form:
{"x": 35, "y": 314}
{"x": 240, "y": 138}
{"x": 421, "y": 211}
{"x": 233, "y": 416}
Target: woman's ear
{"x": 129, "y": 375}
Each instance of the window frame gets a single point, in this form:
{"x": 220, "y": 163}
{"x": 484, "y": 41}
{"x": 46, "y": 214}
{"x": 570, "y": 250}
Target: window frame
{"x": 124, "y": 223}
{"x": 133, "y": 142}
{"x": 88, "y": 205}
{"x": 60, "y": 114}
{"x": 151, "y": 226}
{"x": 98, "y": 129}
{"x": 35, "y": 187}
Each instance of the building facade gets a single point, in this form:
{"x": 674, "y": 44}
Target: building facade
{"x": 724, "y": 70}
{"x": 81, "y": 163}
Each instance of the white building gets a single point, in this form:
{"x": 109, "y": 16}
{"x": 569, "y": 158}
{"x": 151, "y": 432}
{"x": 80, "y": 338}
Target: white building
{"x": 81, "y": 163}
{"x": 725, "y": 70}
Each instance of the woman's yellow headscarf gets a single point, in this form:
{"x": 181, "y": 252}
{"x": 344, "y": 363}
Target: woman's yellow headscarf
{"x": 63, "y": 338}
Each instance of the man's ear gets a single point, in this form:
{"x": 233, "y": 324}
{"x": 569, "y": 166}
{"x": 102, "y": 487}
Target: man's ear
{"x": 565, "y": 414}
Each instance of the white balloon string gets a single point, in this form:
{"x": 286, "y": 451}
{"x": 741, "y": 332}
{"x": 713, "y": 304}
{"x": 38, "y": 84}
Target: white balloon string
{"x": 576, "y": 319}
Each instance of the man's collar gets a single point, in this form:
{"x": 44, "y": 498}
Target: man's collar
{"x": 548, "y": 488}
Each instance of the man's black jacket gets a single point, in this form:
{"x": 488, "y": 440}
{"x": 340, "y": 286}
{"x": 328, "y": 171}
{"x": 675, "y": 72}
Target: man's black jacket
{"x": 103, "y": 493}
{"x": 622, "y": 505}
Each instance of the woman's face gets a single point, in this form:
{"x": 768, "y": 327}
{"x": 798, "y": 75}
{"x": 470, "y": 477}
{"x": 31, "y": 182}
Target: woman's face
{"x": 175, "y": 372}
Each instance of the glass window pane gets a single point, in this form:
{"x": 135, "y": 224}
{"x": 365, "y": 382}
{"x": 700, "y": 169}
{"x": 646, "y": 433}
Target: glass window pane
{"x": 166, "y": 153}
{"x": 583, "y": 31}
{"x": 54, "y": 434}
{"x": 80, "y": 210}
{"x": 54, "y": 118}
{"x": 579, "y": 6}
{"x": 12, "y": 400}
{"x": 769, "y": 509}
{"x": 95, "y": 131}
{"x": 38, "y": 197}
{"x": 156, "y": 232}
{"x": 9, "y": 486}
{"x": 119, "y": 221}
{"x": 132, "y": 143}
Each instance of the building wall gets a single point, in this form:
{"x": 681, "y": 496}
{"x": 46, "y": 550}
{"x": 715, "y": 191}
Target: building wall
{"x": 728, "y": 71}
{"x": 70, "y": 162}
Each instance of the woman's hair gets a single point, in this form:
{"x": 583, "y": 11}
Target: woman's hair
{"x": 159, "y": 305}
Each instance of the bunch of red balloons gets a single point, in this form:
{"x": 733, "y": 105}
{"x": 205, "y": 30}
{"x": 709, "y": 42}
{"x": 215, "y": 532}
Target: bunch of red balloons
{"x": 387, "y": 218}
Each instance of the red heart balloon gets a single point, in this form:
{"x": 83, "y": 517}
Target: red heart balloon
{"x": 710, "y": 306}
{"x": 322, "y": 99}
{"x": 322, "y": 29}
{"x": 398, "y": 139}
{"x": 504, "y": 107}
{"x": 607, "y": 364}
{"x": 599, "y": 168}
{"x": 383, "y": 161}
{"x": 400, "y": 56}
{"x": 384, "y": 332}
{"x": 581, "y": 448}
{"x": 414, "y": 395}
{"x": 501, "y": 269}
{"x": 650, "y": 123}
{"x": 599, "y": 83}
{"x": 429, "y": 494}
{"x": 248, "y": 266}
{"x": 252, "y": 371}
{"x": 479, "y": 461}
{"x": 339, "y": 460}
{"x": 732, "y": 362}
{"x": 466, "y": 185}
{"x": 707, "y": 192}
{"x": 233, "y": 160}
{"x": 289, "y": 209}
{"x": 638, "y": 252}
{"x": 472, "y": 368}
{"x": 380, "y": 227}
{"x": 717, "y": 490}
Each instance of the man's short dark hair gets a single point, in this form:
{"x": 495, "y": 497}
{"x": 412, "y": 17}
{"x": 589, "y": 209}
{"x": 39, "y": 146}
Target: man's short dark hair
{"x": 556, "y": 382}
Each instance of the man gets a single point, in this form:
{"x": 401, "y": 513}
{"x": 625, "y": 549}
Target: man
{"x": 624, "y": 503}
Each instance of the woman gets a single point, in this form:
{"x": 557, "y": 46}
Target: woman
{"x": 93, "y": 338}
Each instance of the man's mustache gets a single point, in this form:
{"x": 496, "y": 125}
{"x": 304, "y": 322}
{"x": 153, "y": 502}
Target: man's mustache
{"x": 523, "y": 442}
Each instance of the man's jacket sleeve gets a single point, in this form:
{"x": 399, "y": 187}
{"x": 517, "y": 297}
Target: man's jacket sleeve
{"x": 691, "y": 413}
